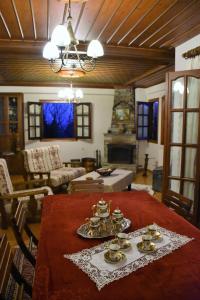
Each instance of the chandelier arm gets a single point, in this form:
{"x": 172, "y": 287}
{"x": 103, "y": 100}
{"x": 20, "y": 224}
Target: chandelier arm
{"x": 54, "y": 65}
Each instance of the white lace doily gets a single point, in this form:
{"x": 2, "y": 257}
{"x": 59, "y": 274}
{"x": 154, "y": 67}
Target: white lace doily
{"x": 91, "y": 261}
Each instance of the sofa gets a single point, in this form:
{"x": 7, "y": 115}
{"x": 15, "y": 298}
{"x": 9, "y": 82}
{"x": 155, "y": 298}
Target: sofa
{"x": 46, "y": 162}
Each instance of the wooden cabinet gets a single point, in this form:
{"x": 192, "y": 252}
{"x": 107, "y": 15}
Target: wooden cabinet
{"x": 12, "y": 131}
{"x": 182, "y": 144}
{"x": 11, "y": 122}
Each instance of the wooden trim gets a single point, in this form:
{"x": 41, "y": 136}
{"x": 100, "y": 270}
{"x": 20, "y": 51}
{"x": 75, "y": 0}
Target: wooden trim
{"x": 166, "y": 192}
{"x": 150, "y": 72}
{"x": 36, "y": 46}
{"x": 163, "y": 123}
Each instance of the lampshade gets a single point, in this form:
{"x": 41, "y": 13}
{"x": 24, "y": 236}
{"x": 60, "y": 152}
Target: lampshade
{"x": 60, "y": 36}
{"x": 95, "y": 49}
{"x": 50, "y": 51}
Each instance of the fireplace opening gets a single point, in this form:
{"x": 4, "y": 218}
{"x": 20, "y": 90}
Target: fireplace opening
{"x": 121, "y": 153}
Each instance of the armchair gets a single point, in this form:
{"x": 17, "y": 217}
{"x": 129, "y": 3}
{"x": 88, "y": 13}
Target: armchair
{"x": 10, "y": 198}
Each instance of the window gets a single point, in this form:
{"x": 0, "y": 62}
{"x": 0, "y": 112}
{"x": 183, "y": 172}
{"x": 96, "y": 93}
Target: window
{"x": 58, "y": 120}
{"x": 147, "y": 120}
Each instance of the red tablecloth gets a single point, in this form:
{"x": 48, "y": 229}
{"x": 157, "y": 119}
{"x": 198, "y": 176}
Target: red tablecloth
{"x": 175, "y": 276}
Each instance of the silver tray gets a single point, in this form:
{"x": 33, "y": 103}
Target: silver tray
{"x": 83, "y": 230}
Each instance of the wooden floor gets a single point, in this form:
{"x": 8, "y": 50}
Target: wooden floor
{"x": 140, "y": 179}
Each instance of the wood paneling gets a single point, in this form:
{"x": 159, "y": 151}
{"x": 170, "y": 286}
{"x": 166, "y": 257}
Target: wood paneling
{"x": 138, "y": 38}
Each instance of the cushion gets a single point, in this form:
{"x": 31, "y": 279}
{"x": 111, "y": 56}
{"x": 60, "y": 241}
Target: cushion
{"x": 36, "y": 160}
{"x": 54, "y": 160}
{"x": 6, "y": 186}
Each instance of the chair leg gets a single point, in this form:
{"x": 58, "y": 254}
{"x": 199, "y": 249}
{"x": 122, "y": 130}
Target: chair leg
{"x": 32, "y": 209}
{"x": 4, "y": 216}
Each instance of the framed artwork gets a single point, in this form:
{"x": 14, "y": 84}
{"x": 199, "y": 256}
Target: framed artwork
{"x": 122, "y": 114}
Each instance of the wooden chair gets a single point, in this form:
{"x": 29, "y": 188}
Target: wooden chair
{"x": 30, "y": 195}
{"x": 88, "y": 185}
{"x": 20, "y": 226}
{"x": 9, "y": 270}
{"x": 179, "y": 204}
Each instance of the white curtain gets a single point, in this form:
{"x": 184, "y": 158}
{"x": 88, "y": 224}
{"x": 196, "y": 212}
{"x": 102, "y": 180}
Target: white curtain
{"x": 193, "y": 63}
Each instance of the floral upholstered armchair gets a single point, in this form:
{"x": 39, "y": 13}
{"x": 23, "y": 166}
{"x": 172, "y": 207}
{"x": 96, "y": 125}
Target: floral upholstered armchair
{"x": 10, "y": 198}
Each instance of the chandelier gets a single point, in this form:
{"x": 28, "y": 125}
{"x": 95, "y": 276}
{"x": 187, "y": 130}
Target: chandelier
{"x": 63, "y": 55}
{"x": 70, "y": 94}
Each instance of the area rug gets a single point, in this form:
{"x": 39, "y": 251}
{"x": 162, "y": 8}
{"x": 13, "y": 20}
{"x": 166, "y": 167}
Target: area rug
{"x": 142, "y": 187}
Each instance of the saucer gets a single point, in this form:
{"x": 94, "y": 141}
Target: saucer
{"x": 125, "y": 246}
{"x": 156, "y": 237}
{"x": 119, "y": 257}
{"x": 152, "y": 248}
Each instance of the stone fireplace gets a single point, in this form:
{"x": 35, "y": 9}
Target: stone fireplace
{"x": 120, "y": 146}
{"x": 121, "y": 153}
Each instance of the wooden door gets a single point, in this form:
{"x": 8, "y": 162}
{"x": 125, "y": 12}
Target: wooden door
{"x": 182, "y": 143}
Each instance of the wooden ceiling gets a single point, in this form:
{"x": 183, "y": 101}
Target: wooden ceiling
{"x": 138, "y": 36}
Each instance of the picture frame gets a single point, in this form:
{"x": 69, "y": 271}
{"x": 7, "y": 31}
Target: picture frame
{"x": 122, "y": 114}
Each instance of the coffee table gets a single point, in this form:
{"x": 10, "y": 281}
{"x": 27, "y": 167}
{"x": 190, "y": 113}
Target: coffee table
{"x": 117, "y": 181}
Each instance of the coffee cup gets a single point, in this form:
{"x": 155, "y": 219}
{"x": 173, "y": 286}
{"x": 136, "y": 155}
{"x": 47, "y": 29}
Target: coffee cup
{"x": 146, "y": 239}
{"x": 113, "y": 251}
{"x": 152, "y": 230}
{"x": 94, "y": 222}
{"x": 122, "y": 238}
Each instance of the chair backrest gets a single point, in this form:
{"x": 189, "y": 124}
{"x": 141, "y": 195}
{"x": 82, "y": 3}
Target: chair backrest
{"x": 88, "y": 185}
{"x": 43, "y": 159}
{"x": 180, "y": 205}
{"x": 8, "y": 269}
{"x": 54, "y": 159}
{"x": 6, "y": 186}
{"x": 19, "y": 226}
{"x": 35, "y": 160}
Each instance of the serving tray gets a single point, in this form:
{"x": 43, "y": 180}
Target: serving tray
{"x": 84, "y": 231}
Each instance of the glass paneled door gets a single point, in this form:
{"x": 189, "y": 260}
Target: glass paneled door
{"x": 181, "y": 158}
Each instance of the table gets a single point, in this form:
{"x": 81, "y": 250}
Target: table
{"x": 175, "y": 276}
{"x": 116, "y": 182}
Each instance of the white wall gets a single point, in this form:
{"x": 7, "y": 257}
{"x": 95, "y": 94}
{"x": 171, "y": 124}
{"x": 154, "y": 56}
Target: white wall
{"x": 155, "y": 151}
{"x": 180, "y": 62}
{"x": 102, "y": 103}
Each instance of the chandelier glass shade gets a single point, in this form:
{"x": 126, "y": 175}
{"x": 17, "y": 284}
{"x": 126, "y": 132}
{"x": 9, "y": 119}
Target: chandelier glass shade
{"x": 70, "y": 94}
{"x": 63, "y": 55}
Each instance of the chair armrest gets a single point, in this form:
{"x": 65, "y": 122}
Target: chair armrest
{"x": 30, "y": 176}
{"x": 23, "y": 194}
{"x": 30, "y": 183}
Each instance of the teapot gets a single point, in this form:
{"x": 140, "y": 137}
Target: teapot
{"x": 101, "y": 207}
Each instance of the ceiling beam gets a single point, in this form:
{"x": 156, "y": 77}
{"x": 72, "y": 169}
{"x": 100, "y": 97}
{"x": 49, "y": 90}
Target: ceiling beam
{"x": 146, "y": 74}
{"x": 58, "y": 84}
{"x": 35, "y": 48}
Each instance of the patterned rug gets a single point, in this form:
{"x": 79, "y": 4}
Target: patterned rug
{"x": 142, "y": 187}
{"x": 27, "y": 271}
